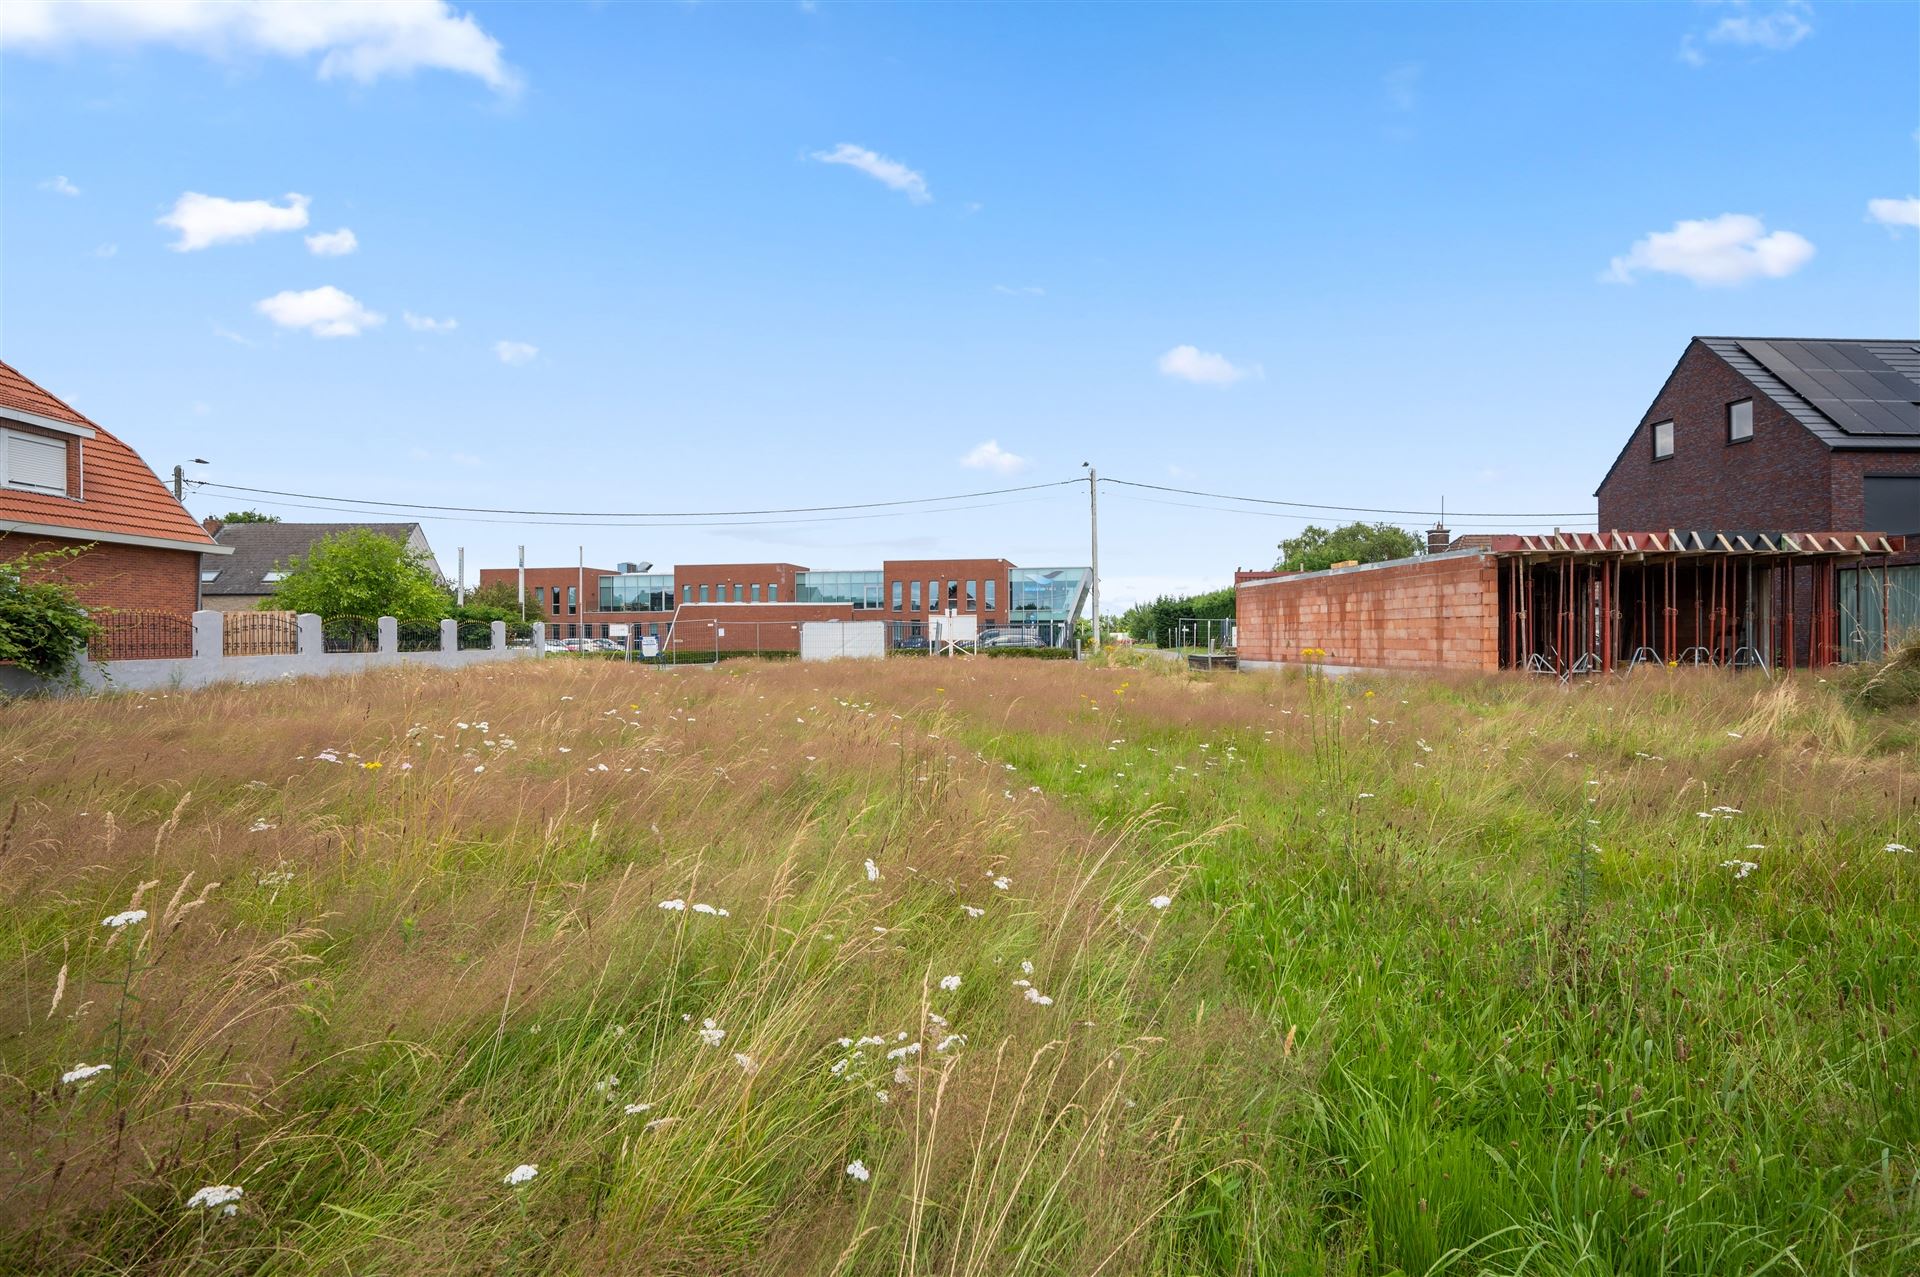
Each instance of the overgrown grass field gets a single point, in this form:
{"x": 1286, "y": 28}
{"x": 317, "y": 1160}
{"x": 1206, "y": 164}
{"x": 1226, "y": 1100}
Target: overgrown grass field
{"x": 959, "y": 967}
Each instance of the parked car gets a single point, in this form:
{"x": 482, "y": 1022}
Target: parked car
{"x": 1011, "y": 638}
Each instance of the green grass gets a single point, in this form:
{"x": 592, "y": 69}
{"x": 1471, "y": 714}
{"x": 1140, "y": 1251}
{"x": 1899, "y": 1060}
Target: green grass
{"x": 1453, "y": 979}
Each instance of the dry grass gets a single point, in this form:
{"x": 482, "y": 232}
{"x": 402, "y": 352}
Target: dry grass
{"x": 367, "y": 988}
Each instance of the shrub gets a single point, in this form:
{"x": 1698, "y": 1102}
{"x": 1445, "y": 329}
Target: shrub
{"x": 43, "y": 628}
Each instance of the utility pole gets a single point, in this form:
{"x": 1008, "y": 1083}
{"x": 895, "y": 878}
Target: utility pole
{"x": 1093, "y": 505}
{"x": 460, "y": 590}
{"x": 580, "y": 599}
{"x": 180, "y": 477}
{"x": 523, "y": 585}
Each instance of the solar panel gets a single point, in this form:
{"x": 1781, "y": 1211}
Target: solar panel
{"x": 1857, "y": 390}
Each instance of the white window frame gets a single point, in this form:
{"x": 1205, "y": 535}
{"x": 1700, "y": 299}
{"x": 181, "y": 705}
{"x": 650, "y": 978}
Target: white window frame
{"x": 1739, "y": 438}
{"x": 54, "y": 441}
{"x": 1654, "y": 431}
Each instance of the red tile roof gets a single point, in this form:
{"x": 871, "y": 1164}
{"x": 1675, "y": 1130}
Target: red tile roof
{"x": 121, "y": 494}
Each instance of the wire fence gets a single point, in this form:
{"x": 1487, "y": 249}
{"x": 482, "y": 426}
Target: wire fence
{"x": 260, "y": 633}
{"x": 141, "y": 635}
{"x": 473, "y": 636}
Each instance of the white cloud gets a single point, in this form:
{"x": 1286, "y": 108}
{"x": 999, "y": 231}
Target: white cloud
{"x": 1020, "y": 290}
{"x": 324, "y": 312}
{"x": 890, "y": 173}
{"x": 1190, "y": 363}
{"x": 515, "y": 352}
{"x": 1729, "y": 249}
{"x": 1780, "y": 27}
{"x": 991, "y": 456}
{"x": 1895, "y": 212}
{"x": 206, "y": 220}
{"x": 333, "y": 243}
{"x": 59, "y": 185}
{"x": 360, "y": 42}
{"x": 428, "y": 324}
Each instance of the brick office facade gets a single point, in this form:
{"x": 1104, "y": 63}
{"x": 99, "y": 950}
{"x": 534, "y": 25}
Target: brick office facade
{"x": 760, "y": 606}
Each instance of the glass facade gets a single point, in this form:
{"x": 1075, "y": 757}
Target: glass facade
{"x": 637, "y": 592}
{"x": 1047, "y": 600}
{"x": 862, "y": 589}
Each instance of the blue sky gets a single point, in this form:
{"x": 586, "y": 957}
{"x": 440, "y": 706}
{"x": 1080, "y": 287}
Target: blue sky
{"x": 725, "y": 256}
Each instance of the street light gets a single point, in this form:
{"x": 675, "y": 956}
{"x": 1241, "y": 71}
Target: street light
{"x": 180, "y": 475}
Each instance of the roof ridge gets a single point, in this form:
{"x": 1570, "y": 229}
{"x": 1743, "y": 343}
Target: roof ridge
{"x": 78, "y": 415}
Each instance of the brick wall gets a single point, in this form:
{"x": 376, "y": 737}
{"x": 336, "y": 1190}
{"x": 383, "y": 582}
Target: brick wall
{"x": 1432, "y": 614}
{"x": 121, "y": 576}
{"x": 1777, "y": 481}
{"x": 907, "y": 571}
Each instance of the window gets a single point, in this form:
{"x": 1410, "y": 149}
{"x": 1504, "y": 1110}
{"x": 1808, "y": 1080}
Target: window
{"x": 933, "y": 596}
{"x": 573, "y": 601}
{"x": 953, "y": 595}
{"x": 898, "y": 595}
{"x": 1740, "y": 421}
{"x": 33, "y": 462}
{"x": 773, "y": 591}
{"x": 915, "y": 595}
{"x": 1893, "y": 503}
{"x": 556, "y": 600}
{"x": 706, "y": 593}
{"x": 990, "y": 592}
{"x": 739, "y": 593}
{"x": 273, "y": 578}
{"x": 686, "y": 594}
{"x": 756, "y": 591}
{"x": 973, "y": 596}
{"x": 208, "y": 578}
{"x": 1662, "y": 440}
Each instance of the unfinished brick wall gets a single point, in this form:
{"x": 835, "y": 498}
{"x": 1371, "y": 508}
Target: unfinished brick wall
{"x": 1438, "y": 614}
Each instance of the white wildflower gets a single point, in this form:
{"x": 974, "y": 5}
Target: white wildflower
{"x": 258, "y": 827}
{"x": 1741, "y": 868}
{"x": 217, "y": 1196}
{"x": 632, "y": 1109}
{"x": 950, "y": 1041}
{"x": 520, "y": 1174}
{"x": 1026, "y": 968}
{"x": 873, "y": 872}
{"x": 902, "y": 1052}
{"x": 1899, "y": 847}
{"x": 711, "y": 909}
{"x": 747, "y": 1063}
{"x": 857, "y": 1169}
{"x": 83, "y": 1073}
{"x": 1160, "y": 902}
{"x": 1038, "y": 998}
{"x": 606, "y": 1085}
{"x": 673, "y": 906}
{"x": 126, "y": 919}
{"x": 880, "y": 1096}
{"x": 711, "y": 1033}
{"x": 972, "y": 912}
{"x": 949, "y": 982}
{"x": 1002, "y": 883}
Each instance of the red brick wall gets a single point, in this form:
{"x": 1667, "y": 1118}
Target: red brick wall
{"x": 1440, "y": 614}
{"x": 121, "y": 576}
{"x": 907, "y": 571}
{"x": 540, "y": 583}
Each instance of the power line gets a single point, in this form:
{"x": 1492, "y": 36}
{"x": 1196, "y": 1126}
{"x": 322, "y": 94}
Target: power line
{"x": 561, "y": 523}
{"x": 634, "y": 514}
{"x": 1360, "y": 509}
{"x": 1506, "y": 525}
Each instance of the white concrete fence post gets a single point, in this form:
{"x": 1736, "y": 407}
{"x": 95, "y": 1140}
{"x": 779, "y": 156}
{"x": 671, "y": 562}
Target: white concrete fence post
{"x": 209, "y": 635}
{"x": 389, "y": 636}
{"x": 498, "y": 632}
{"x": 449, "y": 634}
{"x": 312, "y": 642}
{"x": 540, "y": 637}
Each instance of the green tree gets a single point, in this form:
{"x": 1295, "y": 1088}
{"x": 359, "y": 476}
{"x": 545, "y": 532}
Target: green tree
{"x": 498, "y": 601}
{"x": 361, "y": 573}
{"x": 42, "y": 625}
{"x": 1317, "y": 548}
{"x": 1161, "y": 618}
{"x": 248, "y": 516}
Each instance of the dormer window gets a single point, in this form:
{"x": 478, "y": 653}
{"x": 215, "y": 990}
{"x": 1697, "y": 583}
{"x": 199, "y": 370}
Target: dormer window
{"x": 208, "y": 578}
{"x": 273, "y": 578}
{"x": 1662, "y": 440}
{"x": 35, "y": 463}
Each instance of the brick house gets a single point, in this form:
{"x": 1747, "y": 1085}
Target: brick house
{"x": 66, "y": 481}
{"x": 1767, "y": 434}
{"x": 262, "y": 552}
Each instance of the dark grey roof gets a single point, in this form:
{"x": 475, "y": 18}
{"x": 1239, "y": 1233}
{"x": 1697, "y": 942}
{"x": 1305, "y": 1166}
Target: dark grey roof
{"x": 1851, "y": 394}
{"x": 260, "y": 548}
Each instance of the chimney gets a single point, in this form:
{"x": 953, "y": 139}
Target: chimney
{"x": 1438, "y": 539}
{"x": 212, "y": 525}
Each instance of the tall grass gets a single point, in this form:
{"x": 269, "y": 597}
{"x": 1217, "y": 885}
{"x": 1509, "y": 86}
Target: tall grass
{"x": 1516, "y": 1010}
